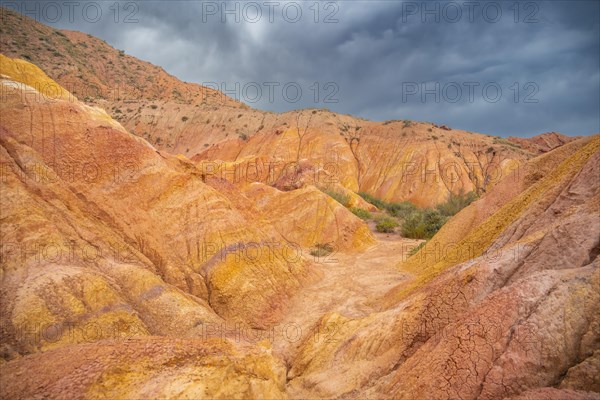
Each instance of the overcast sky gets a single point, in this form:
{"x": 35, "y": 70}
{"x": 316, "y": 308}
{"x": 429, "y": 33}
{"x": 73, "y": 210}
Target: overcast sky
{"x": 502, "y": 68}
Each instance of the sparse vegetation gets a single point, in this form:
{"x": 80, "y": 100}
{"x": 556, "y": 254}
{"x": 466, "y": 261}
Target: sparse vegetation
{"x": 373, "y": 200}
{"x": 341, "y": 198}
{"x": 419, "y": 223}
{"x": 242, "y": 136}
{"x": 386, "y": 224}
{"x": 423, "y": 224}
{"x": 456, "y": 202}
{"x": 399, "y": 209}
{"x": 360, "y": 213}
{"x": 499, "y": 140}
{"x": 321, "y": 250}
{"x": 533, "y": 177}
{"x": 184, "y": 118}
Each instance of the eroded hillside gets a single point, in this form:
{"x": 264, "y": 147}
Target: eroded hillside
{"x": 93, "y": 71}
{"x": 131, "y": 268}
{"x": 118, "y": 252}
{"x": 394, "y": 160}
{"x": 140, "y": 214}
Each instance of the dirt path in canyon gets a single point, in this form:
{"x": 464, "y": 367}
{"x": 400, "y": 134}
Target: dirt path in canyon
{"x": 351, "y": 283}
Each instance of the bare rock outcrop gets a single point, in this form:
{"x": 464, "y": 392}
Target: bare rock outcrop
{"x": 543, "y": 143}
{"x": 518, "y": 314}
{"x": 151, "y": 256}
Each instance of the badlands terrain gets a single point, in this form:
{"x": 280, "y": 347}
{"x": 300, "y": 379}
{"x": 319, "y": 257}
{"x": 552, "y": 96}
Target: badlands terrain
{"x": 161, "y": 240}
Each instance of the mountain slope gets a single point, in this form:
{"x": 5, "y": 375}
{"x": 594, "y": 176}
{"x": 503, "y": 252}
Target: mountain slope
{"x": 542, "y": 143}
{"x": 394, "y": 160}
{"x": 90, "y": 210}
{"x": 515, "y": 313}
{"x": 94, "y": 71}
{"x": 127, "y": 271}
{"x": 517, "y": 316}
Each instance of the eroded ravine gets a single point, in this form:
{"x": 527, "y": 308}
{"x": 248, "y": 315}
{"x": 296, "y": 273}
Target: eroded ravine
{"x": 350, "y": 285}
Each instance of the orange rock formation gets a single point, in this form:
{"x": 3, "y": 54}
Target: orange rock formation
{"x": 155, "y": 257}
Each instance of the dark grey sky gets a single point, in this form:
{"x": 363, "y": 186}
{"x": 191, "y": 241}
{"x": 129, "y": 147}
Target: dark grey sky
{"x": 444, "y": 62}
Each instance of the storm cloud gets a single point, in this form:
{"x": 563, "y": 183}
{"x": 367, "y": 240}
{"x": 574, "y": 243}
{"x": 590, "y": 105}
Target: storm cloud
{"x": 501, "y": 68}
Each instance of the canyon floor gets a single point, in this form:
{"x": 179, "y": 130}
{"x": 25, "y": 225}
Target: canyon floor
{"x": 351, "y": 285}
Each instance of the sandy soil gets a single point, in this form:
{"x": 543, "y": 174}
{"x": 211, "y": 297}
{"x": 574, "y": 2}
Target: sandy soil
{"x": 351, "y": 284}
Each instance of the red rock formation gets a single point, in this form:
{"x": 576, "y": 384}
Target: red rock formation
{"x": 123, "y": 212}
{"x": 516, "y": 315}
{"x": 131, "y": 272}
{"x": 542, "y": 143}
{"x": 393, "y": 160}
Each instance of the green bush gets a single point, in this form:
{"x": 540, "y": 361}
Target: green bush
{"x": 413, "y": 226}
{"x": 360, "y": 213}
{"x": 400, "y": 210}
{"x": 423, "y": 223}
{"x": 341, "y": 198}
{"x": 321, "y": 250}
{"x": 373, "y": 200}
{"x": 386, "y": 224}
{"x": 419, "y": 223}
{"x": 456, "y": 202}
{"x": 433, "y": 222}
